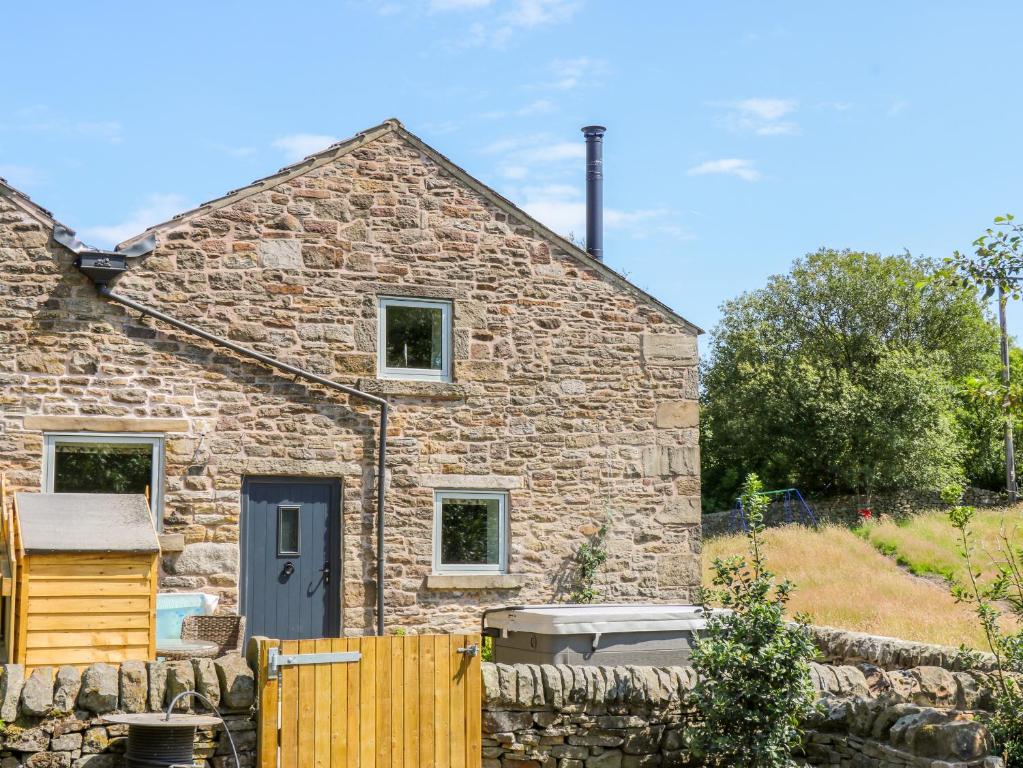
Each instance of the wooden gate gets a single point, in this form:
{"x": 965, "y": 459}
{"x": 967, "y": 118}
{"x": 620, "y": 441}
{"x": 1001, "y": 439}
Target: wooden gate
{"x": 398, "y": 701}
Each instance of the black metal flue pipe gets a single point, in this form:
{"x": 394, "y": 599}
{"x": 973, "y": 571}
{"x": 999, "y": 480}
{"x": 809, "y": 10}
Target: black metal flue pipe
{"x": 595, "y": 190}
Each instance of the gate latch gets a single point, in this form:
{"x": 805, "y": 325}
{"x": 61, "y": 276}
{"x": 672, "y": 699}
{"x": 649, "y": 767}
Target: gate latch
{"x": 276, "y": 660}
{"x": 469, "y": 650}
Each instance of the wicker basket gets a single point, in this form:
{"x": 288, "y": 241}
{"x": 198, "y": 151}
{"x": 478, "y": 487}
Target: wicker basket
{"x": 228, "y": 632}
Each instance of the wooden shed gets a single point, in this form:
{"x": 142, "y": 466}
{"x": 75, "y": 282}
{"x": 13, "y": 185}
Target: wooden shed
{"x": 85, "y": 579}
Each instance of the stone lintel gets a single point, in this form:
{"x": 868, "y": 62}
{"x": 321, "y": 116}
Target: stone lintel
{"x": 103, "y": 424}
{"x": 455, "y": 581}
{"x": 471, "y": 482}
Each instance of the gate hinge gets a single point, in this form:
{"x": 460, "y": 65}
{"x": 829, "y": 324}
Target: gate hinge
{"x": 276, "y": 660}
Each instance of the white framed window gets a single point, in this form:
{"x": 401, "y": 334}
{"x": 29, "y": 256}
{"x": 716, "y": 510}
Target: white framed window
{"x": 414, "y": 339}
{"x": 95, "y": 462}
{"x": 470, "y": 533}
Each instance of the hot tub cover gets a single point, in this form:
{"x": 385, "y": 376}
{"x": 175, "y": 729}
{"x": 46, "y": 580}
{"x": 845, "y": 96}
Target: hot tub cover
{"x": 85, "y": 522}
{"x": 593, "y": 619}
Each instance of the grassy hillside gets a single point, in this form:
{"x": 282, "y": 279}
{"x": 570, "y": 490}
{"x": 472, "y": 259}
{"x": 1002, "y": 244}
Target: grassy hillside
{"x": 843, "y": 581}
{"x": 928, "y": 545}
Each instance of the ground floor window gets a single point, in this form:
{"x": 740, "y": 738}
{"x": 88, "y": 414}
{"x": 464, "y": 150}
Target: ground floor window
{"x": 471, "y": 532}
{"x": 105, "y": 463}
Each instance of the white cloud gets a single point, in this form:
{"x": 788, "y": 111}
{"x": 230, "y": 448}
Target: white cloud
{"x": 762, "y": 116}
{"x": 233, "y": 151}
{"x": 457, "y": 5}
{"x": 517, "y": 15}
{"x": 732, "y": 166}
{"x": 40, "y": 119}
{"x": 562, "y": 208}
{"x": 538, "y": 107}
{"x": 533, "y": 13}
{"x": 300, "y": 145}
{"x": 571, "y": 73}
{"x": 155, "y": 210}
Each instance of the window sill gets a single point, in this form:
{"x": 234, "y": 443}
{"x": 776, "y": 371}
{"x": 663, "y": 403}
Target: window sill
{"x": 427, "y": 390}
{"x": 459, "y": 581}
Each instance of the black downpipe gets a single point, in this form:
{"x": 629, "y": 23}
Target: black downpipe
{"x": 309, "y": 376}
{"x": 595, "y": 190}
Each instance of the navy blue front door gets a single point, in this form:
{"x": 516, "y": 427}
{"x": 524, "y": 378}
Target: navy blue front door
{"x": 291, "y": 557}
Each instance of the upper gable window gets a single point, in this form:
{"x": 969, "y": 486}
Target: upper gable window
{"x": 415, "y": 339}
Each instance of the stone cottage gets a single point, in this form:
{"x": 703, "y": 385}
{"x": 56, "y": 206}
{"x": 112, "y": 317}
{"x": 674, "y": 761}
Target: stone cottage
{"x": 533, "y": 394}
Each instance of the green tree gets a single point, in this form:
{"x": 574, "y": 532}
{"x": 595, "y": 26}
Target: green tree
{"x": 844, "y": 375}
{"x": 753, "y": 686}
{"x": 996, "y": 266}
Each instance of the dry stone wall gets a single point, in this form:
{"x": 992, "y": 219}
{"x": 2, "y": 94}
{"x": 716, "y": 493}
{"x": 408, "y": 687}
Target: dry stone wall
{"x": 576, "y": 395}
{"x": 542, "y": 716}
{"x": 54, "y": 717}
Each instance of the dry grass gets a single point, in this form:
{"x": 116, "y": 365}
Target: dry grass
{"x": 928, "y": 544}
{"x": 842, "y": 581}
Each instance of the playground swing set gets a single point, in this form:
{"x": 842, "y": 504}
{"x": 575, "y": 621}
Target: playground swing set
{"x": 794, "y": 510}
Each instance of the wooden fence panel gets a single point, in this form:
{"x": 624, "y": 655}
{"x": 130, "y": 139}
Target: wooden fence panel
{"x": 409, "y": 702}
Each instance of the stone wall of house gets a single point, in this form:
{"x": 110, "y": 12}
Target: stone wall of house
{"x": 54, "y": 717}
{"x": 574, "y": 394}
{"x": 631, "y": 717}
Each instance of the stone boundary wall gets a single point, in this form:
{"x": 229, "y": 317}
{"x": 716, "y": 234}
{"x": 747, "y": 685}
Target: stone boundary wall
{"x": 53, "y": 717}
{"x": 844, "y": 510}
{"x": 839, "y": 646}
{"x": 543, "y": 716}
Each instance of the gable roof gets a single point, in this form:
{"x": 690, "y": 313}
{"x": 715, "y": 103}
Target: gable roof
{"x": 26, "y": 204}
{"x": 394, "y": 126}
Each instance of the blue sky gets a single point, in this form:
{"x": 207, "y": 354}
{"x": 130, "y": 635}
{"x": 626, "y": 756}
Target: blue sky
{"x": 740, "y": 134}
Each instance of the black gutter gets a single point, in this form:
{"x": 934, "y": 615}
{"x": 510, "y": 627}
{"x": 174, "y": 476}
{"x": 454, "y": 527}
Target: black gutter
{"x": 67, "y": 238}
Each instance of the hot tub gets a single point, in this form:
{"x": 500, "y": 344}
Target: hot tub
{"x": 605, "y": 635}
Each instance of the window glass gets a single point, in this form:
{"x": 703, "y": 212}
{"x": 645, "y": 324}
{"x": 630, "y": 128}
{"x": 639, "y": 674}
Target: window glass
{"x": 470, "y": 531}
{"x": 287, "y": 529}
{"x": 83, "y": 467}
{"x": 414, "y": 337}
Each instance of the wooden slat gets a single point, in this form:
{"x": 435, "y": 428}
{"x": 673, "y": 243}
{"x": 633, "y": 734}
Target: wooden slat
{"x": 322, "y": 708}
{"x": 442, "y": 702}
{"x": 76, "y": 560}
{"x": 61, "y": 571}
{"x": 289, "y": 709}
{"x": 474, "y": 708}
{"x": 457, "y": 687}
{"x": 367, "y": 703}
{"x": 383, "y": 702}
{"x": 427, "y": 676}
{"x": 267, "y": 693}
{"x": 87, "y": 621}
{"x": 410, "y": 696}
{"x": 306, "y": 705}
{"x": 78, "y": 656}
{"x": 55, "y": 639}
{"x": 354, "y": 703}
{"x": 338, "y": 707}
{"x": 397, "y": 690}
{"x": 51, "y": 605}
{"x": 88, "y": 590}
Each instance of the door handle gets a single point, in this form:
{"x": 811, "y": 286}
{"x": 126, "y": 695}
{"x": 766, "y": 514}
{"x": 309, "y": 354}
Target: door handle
{"x": 289, "y": 568}
{"x": 325, "y": 570}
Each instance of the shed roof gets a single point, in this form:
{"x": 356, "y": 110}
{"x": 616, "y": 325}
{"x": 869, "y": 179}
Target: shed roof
{"x": 85, "y": 522}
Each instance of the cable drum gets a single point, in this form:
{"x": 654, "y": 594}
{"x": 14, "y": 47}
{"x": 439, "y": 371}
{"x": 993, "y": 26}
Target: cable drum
{"x": 150, "y": 747}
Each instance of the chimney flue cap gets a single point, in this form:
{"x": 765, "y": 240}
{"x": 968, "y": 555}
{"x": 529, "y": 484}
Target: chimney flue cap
{"x": 594, "y": 130}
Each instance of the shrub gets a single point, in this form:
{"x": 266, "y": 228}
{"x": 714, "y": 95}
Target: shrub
{"x": 1006, "y": 723}
{"x": 754, "y": 685}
